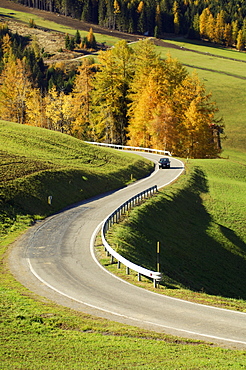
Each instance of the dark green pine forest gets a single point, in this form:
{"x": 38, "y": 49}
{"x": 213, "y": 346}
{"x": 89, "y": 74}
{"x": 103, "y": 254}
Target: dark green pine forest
{"x": 219, "y": 21}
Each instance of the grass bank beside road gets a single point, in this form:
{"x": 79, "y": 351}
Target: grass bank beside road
{"x": 200, "y": 223}
{"x": 38, "y": 163}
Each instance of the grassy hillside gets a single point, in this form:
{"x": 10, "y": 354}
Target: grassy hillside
{"x": 200, "y": 225}
{"x": 36, "y": 334}
{"x": 38, "y": 163}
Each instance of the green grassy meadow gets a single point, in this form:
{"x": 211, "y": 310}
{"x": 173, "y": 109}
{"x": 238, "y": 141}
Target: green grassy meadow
{"x": 209, "y": 201}
{"x": 38, "y": 163}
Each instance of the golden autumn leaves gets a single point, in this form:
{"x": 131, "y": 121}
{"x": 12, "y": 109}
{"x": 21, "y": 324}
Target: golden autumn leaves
{"x": 145, "y": 101}
{"x": 130, "y": 96}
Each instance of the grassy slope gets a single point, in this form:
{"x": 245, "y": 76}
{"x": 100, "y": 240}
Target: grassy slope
{"x": 202, "y": 236}
{"x": 34, "y": 335}
{"x": 37, "y": 163}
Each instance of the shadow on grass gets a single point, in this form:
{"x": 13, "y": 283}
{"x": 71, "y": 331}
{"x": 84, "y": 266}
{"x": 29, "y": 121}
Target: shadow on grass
{"x": 191, "y": 255}
{"x": 233, "y": 238}
{"x": 27, "y": 197}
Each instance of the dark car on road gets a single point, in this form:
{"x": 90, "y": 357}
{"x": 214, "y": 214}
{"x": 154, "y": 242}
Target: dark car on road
{"x": 164, "y": 163}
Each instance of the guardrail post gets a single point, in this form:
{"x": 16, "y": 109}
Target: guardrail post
{"x": 139, "y": 276}
{"x": 118, "y": 265}
{"x": 127, "y": 270}
{"x": 158, "y": 256}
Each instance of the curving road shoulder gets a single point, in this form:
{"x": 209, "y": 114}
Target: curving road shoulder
{"x": 55, "y": 259}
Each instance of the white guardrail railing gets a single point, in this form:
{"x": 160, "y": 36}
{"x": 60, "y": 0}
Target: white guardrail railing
{"x": 136, "y": 148}
{"x": 114, "y": 217}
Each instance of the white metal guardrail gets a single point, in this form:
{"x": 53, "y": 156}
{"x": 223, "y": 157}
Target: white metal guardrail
{"x": 136, "y": 148}
{"x": 114, "y": 217}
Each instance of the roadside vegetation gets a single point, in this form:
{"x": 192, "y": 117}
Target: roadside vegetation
{"x": 200, "y": 224}
{"x": 37, "y": 334}
{"x": 38, "y": 163}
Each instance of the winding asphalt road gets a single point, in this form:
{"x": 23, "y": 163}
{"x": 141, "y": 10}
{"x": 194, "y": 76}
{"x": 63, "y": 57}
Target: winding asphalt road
{"x": 55, "y": 259}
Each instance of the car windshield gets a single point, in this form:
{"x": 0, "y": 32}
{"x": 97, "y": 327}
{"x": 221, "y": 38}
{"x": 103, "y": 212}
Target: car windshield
{"x": 164, "y": 160}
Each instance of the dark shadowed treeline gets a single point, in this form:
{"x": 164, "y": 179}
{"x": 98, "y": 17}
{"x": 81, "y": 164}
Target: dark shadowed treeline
{"x": 222, "y": 22}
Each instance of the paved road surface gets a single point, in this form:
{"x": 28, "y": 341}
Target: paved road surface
{"x": 55, "y": 259}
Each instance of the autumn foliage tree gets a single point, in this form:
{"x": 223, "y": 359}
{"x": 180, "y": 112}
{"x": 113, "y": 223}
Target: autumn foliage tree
{"x": 81, "y": 100}
{"x": 14, "y": 88}
{"x": 145, "y": 93}
{"x": 35, "y": 109}
{"x": 131, "y": 96}
{"x": 109, "y": 95}
{"x": 169, "y": 108}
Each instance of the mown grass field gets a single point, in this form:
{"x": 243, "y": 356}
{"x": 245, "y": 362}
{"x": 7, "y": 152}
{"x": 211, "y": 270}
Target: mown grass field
{"x": 209, "y": 48}
{"x": 37, "y": 334}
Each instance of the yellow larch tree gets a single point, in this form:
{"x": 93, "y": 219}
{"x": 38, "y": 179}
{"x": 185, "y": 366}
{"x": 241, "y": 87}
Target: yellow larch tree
{"x": 35, "y": 109}
{"x": 109, "y": 95}
{"x": 176, "y": 17}
{"x": 142, "y": 113}
{"x": 240, "y": 41}
{"x": 195, "y": 113}
{"x": 152, "y": 118}
{"x": 163, "y": 128}
{"x": 219, "y": 27}
{"x": 140, "y": 6}
{"x": 58, "y": 111}
{"x": 91, "y": 40}
{"x": 235, "y": 30}
{"x": 81, "y": 101}
{"x": 145, "y": 93}
{"x": 203, "y": 23}
{"x": 14, "y": 88}
{"x": 210, "y": 29}
{"x": 228, "y": 34}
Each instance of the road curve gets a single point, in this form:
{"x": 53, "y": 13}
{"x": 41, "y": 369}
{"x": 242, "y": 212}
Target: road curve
{"x": 55, "y": 259}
